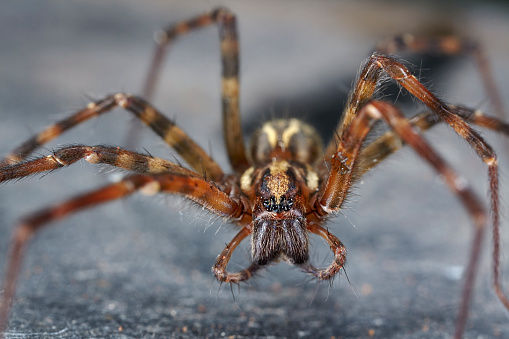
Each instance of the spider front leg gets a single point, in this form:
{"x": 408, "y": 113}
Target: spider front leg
{"x": 190, "y": 151}
{"x": 337, "y": 248}
{"x": 448, "y": 45}
{"x": 193, "y": 188}
{"x": 343, "y": 164}
{"x": 229, "y": 45}
{"x": 219, "y": 268}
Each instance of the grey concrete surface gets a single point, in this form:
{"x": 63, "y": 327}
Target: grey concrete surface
{"x": 141, "y": 267}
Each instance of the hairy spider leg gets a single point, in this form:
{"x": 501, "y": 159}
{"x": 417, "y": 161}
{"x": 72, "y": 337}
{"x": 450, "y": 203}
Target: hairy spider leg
{"x": 342, "y": 169}
{"x": 189, "y": 150}
{"x": 399, "y": 73}
{"x": 363, "y": 91}
{"x": 365, "y": 87}
{"x": 448, "y": 45}
{"x": 338, "y": 249}
{"x": 390, "y": 142}
{"x": 219, "y": 268}
{"x": 385, "y": 145}
{"x": 229, "y": 45}
{"x": 196, "y": 189}
{"x": 371, "y": 73}
{"x": 113, "y": 156}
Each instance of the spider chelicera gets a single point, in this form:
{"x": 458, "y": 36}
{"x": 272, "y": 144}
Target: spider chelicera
{"x": 286, "y": 185}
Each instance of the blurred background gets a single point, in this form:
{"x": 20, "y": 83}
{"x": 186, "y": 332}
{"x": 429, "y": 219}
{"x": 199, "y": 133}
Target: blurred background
{"x": 141, "y": 267}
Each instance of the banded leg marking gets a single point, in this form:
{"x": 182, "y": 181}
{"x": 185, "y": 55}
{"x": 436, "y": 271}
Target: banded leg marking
{"x": 390, "y": 142}
{"x": 367, "y": 84}
{"x": 113, "y": 156}
{"x": 190, "y": 151}
{"x": 229, "y": 45}
{"x": 449, "y": 45}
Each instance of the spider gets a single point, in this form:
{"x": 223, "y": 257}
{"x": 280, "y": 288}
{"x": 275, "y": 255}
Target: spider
{"x": 286, "y": 184}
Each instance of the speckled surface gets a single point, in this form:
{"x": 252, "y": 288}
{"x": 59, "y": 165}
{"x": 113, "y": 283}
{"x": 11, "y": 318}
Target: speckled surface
{"x": 141, "y": 267}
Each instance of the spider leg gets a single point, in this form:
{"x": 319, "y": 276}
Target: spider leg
{"x": 390, "y": 142}
{"x": 342, "y": 169}
{"x": 190, "y": 151}
{"x": 337, "y": 248}
{"x": 193, "y": 188}
{"x": 448, "y": 45}
{"x": 229, "y": 44}
{"x": 402, "y": 75}
{"x": 376, "y": 66}
{"x": 113, "y": 156}
{"x": 219, "y": 268}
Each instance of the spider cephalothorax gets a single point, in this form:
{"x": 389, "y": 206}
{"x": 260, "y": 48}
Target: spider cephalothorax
{"x": 287, "y": 187}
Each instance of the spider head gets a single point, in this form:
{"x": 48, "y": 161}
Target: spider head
{"x": 279, "y": 224}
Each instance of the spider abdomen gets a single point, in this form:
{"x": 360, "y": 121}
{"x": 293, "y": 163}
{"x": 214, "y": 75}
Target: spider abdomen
{"x": 289, "y": 139}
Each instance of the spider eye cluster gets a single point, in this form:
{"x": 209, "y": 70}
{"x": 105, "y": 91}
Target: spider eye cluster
{"x": 272, "y": 205}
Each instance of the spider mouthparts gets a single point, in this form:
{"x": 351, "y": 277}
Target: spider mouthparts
{"x": 284, "y": 238}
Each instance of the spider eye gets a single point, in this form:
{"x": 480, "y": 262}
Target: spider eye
{"x": 271, "y": 205}
{"x": 266, "y": 204}
{"x": 289, "y": 203}
{"x": 285, "y": 204}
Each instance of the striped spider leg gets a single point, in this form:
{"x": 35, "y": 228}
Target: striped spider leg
{"x": 190, "y": 151}
{"x": 229, "y": 46}
{"x": 388, "y": 143}
{"x": 448, "y": 45}
{"x": 379, "y": 65}
{"x": 344, "y": 162}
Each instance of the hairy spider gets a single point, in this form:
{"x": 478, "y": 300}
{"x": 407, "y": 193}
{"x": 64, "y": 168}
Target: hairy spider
{"x": 287, "y": 185}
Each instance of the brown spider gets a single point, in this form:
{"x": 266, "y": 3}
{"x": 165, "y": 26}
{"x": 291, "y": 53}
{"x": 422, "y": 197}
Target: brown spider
{"x": 287, "y": 185}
